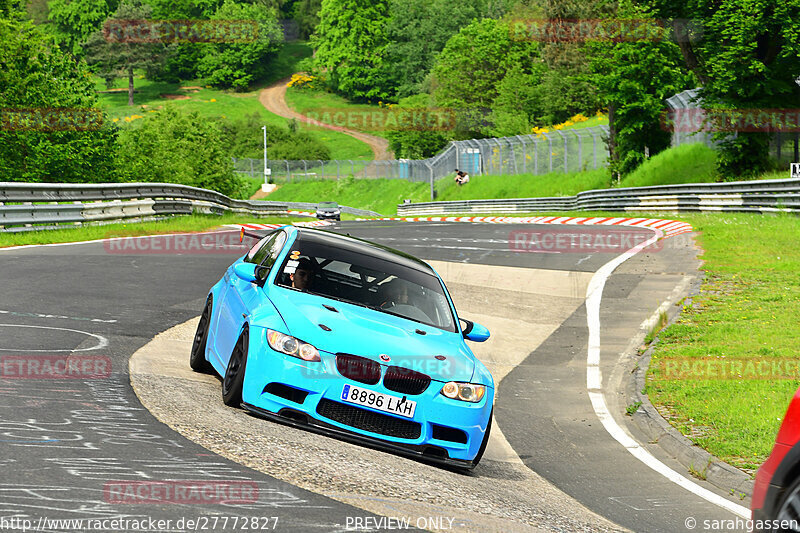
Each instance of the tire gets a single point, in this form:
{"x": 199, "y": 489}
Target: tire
{"x": 789, "y": 505}
{"x": 234, "y": 375}
{"x": 485, "y": 441}
{"x": 197, "y": 359}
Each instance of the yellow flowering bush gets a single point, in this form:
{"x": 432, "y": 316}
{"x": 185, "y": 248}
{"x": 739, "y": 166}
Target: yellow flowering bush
{"x": 301, "y": 81}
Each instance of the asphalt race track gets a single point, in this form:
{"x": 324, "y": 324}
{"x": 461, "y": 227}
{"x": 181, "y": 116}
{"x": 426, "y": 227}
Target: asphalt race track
{"x": 68, "y": 444}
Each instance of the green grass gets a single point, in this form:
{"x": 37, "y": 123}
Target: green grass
{"x": 189, "y": 223}
{"x": 747, "y": 308}
{"x": 211, "y": 103}
{"x": 379, "y": 195}
{"x": 285, "y": 64}
{"x": 687, "y": 163}
{"x": 523, "y": 185}
{"x": 307, "y": 101}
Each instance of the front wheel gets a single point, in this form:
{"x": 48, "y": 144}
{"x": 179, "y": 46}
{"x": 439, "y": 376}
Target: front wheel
{"x": 485, "y": 441}
{"x": 234, "y": 374}
{"x": 197, "y": 359}
{"x": 789, "y": 508}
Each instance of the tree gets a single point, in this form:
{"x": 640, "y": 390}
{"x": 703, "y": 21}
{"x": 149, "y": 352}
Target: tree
{"x": 177, "y": 147}
{"x": 566, "y": 88}
{"x": 633, "y": 78}
{"x": 306, "y": 13}
{"x": 747, "y": 57}
{"x": 117, "y": 53}
{"x": 243, "y": 138}
{"x": 467, "y": 72}
{"x": 50, "y": 129}
{"x": 417, "y": 142}
{"x": 238, "y": 64}
{"x": 518, "y": 105}
{"x": 417, "y": 31}
{"x": 74, "y": 21}
{"x": 350, "y": 44}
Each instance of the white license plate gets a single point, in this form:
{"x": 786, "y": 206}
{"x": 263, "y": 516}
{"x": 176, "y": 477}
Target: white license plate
{"x": 379, "y": 401}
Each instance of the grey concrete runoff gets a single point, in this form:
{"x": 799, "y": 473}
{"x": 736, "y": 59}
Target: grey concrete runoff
{"x": 500, "y": 495}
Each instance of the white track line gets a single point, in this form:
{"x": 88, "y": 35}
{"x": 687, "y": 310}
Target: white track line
{"x": 594, "y": 384}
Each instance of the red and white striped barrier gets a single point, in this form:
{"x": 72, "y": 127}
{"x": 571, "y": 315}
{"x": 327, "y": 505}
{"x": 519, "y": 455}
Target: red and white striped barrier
{"x": 668, "y": 227}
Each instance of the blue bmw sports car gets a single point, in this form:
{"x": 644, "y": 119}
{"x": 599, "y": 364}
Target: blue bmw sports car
{"x": 351, "y": 339}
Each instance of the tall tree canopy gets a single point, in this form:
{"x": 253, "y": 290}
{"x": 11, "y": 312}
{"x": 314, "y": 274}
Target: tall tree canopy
{"x": 49, "y": 130}
{"x": 238, "y": 64}
{"x": 351, "y": 46}
{"x": 632, "y": 79}
{"x": 746, "y": 55}
{"x": 74, "y": 21}
{"x": 417, "y": 31}
{"x": 116, "y": 53}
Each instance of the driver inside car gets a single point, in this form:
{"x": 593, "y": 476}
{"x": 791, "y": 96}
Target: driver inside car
{"x": 303, "y": 276}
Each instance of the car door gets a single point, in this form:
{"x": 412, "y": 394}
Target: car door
{"x": 242, "y": 297}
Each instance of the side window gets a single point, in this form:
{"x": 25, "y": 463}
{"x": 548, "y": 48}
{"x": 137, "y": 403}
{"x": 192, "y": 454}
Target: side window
{"x": 271, "y": 250}
{"x": 259, "y": 249}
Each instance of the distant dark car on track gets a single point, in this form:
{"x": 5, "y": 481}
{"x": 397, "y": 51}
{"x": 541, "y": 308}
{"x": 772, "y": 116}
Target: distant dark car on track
{"x": 351, "y": 339}
{"x": 776, "y": 495}
{"x": 328, "y": 211}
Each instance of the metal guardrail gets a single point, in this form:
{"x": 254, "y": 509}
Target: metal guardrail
{"x": 743, "y": 196}
{"x": 35, "y": 206}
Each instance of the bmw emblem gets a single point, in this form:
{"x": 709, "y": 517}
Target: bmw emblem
{"x": 385, "y": 357}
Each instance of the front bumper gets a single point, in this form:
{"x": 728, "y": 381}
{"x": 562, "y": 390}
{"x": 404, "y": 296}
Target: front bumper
{"x": 308, "y": 395}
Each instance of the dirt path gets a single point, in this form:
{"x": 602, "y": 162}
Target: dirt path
{"x": 274, "y": 99}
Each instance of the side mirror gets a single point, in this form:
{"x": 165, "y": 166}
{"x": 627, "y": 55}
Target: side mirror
{"x": 246, "y": 271}
{"x": 474, "y": 332}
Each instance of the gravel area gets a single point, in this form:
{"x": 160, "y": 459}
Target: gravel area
{"x": 496, "y": 496}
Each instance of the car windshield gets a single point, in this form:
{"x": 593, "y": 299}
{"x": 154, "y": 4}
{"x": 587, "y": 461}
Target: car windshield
{"x": 328, "y": 205}
{"x": 366, "y": 281}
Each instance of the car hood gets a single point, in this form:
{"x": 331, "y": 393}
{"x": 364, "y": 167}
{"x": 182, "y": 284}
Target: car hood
{"x": 368, "y": 333}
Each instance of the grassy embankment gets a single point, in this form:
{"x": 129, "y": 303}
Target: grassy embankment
{"x": 747, "y": 311}
{"x": 192, "y": 223}
{"x": 688, "y": 163}
{"x": 219, "y": 104}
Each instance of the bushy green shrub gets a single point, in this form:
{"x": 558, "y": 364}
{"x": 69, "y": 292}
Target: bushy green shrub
{"x": 177, "y": 147}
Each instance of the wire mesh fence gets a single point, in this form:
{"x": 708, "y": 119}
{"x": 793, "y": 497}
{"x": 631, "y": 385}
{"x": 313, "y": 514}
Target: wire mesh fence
{"x": 563, "y": 150}
{"x": 690, "y": 125}
{"x": 557, "y": 151}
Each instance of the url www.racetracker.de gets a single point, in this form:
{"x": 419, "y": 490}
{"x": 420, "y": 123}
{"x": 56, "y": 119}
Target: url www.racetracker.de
{"x": 200, "y": 523}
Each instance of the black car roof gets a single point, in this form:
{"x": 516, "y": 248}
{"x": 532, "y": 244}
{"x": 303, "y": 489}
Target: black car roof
{"x": 361, "y": 246}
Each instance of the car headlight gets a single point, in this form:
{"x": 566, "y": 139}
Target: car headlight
{"x": 467, "y": 392}
{"x": 291, "y": 346}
